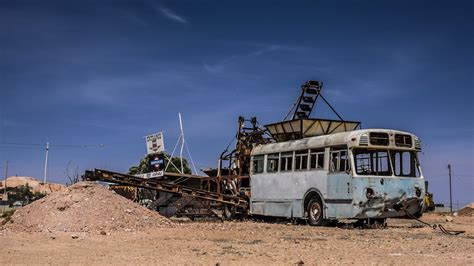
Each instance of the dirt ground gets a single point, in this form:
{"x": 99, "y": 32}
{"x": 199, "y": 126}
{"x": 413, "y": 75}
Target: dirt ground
{"x": 249, "y": 242}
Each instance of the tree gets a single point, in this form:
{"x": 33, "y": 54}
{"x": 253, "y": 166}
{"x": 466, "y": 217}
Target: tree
{"x": 145, "y": 167}
{"x": 24, "y": 194}
{"x": 174, "y": 166}
{"x": 73, "y": 177}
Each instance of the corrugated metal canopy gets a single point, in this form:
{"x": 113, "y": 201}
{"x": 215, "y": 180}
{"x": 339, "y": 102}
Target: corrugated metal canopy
{"x": 309, "y": 127}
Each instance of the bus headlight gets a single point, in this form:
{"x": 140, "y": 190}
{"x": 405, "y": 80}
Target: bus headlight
{"x": 369, "y": 193}
{"x": 418, "y": 192}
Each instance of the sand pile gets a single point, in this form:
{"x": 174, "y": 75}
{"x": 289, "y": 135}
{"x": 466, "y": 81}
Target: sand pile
{"x": 85, "y": 207}
{"x": 35, "y": 184}
{"x": 467, "y": 210}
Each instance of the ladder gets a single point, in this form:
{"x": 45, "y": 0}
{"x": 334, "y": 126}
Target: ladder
{"x": 310, "y": 92}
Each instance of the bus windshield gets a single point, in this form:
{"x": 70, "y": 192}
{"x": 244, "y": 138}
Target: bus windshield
{"x": 380, "y": 162}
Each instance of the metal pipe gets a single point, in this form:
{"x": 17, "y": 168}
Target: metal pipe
{"x": 182, "y": 142}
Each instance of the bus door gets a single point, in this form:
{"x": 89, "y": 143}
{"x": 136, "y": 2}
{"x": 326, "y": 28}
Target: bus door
{"x": 339, "y": 182}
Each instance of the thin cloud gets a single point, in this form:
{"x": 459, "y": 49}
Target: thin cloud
{"x": 219, "y": 67}
{"x": 133, "y": 18}
{"x": 172, "y": 15}
{"x": 268, "y": 49}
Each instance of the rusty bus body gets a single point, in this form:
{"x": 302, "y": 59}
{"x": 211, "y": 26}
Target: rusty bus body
{"x": 360, "y": 174}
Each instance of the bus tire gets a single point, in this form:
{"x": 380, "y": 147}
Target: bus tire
{"x": 315, "y": 212}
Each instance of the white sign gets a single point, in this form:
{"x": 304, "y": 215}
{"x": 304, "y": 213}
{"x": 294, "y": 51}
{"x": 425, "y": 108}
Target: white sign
{"x": 155, "y": 143}
{"x": 150, "y": 175}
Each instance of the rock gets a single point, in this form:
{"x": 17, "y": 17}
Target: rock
{"x": 103, "y": 233}
{"x": 449, "y": 218}
{"x": 74, "y": 236}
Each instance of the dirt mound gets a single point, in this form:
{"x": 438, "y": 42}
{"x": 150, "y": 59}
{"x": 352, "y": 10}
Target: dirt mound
{"x": 85, "y": 207}
{"x": 467, "y": 210}
{"x": 35, "y": 184}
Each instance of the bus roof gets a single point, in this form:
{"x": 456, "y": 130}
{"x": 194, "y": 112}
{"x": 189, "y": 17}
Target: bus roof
{"x": 356, "y": 138}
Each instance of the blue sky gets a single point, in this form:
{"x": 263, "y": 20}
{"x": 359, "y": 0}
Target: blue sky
{"x": 111, "y": 72}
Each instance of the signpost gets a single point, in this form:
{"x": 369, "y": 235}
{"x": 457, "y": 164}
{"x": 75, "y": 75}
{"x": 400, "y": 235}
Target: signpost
{"x": 155, "y": 148}
{"x": 155, "y": 143}
{"x": 150, "y": 175}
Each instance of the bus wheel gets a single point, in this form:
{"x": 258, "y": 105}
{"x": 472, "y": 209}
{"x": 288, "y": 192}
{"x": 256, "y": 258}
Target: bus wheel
{"x": 315, "y": 212}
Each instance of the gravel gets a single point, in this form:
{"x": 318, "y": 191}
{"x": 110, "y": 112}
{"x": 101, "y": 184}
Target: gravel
{"x": 85, "y": 207}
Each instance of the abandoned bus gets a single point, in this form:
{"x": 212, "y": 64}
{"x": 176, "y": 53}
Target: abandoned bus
{"x": 360, "y": 174}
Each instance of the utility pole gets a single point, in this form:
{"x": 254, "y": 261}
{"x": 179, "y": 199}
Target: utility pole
{"x": 5, "y": 196}
{"x": 450, "y": 190}
{"x": 6, "y": 176}
{"x": 46, "y": 164}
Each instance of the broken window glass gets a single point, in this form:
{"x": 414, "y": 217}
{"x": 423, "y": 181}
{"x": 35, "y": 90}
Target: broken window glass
{"x": 403, "y": 140}
{"x": 257, "y": 164}
{"x": 372, "y": 162}
{"x": 286, "y": 161}
{"x": 301, "y": 160}
{"x": 405, "y": 163}
{"x": 272, "y": 162}
{"x": 339, "y": 160}
{"x": 378, "y": 138}
{"x": 316, "y": 159}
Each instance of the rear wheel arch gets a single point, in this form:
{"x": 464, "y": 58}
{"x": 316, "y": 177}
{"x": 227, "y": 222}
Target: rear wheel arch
{"x": 310, "y": 194}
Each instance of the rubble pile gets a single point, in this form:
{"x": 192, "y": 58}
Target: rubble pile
{"x": 85, "y": 207}
{"x": 467, "y": 210}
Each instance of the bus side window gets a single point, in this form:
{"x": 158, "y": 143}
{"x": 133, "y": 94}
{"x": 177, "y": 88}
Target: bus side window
{"x": 286, "y": 161}
{"x": 272, "y": 162}
{"x": 339, "y": 160}
{"x": 301, "y": 160}
{"x": 316, "y": 159}
{"x": 334, "y": 167}
{"x": 257, "y": 164}
{"x": 405, "y": 163}
{"x": 345, "y": 163}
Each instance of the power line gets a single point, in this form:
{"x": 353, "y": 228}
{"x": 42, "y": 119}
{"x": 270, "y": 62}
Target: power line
{"x": 54, "y": 145}
{"x": 25, "y": 148}
{"x": 21, "y": 144}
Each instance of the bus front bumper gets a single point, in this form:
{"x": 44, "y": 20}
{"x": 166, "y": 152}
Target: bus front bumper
{"x": 379, "y": 207}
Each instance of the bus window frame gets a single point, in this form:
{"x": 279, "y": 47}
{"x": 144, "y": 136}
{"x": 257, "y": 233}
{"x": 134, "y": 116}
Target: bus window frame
{"x": 286, "y": 155}
{"x": 271, "y": 156}
{"x": 254, "y": 160}
{"x": 373, "y": 159}
{"x": 317, "y": 152}
{"x": 415, "y": 171}
{"x": 348, "y": 161}
{"x": 418, "y": 173}
{"x": 301, "y": 154}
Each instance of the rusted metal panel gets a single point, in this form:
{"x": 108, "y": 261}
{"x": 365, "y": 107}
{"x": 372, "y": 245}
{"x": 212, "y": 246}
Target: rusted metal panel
{"x": 389, "y": 196}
